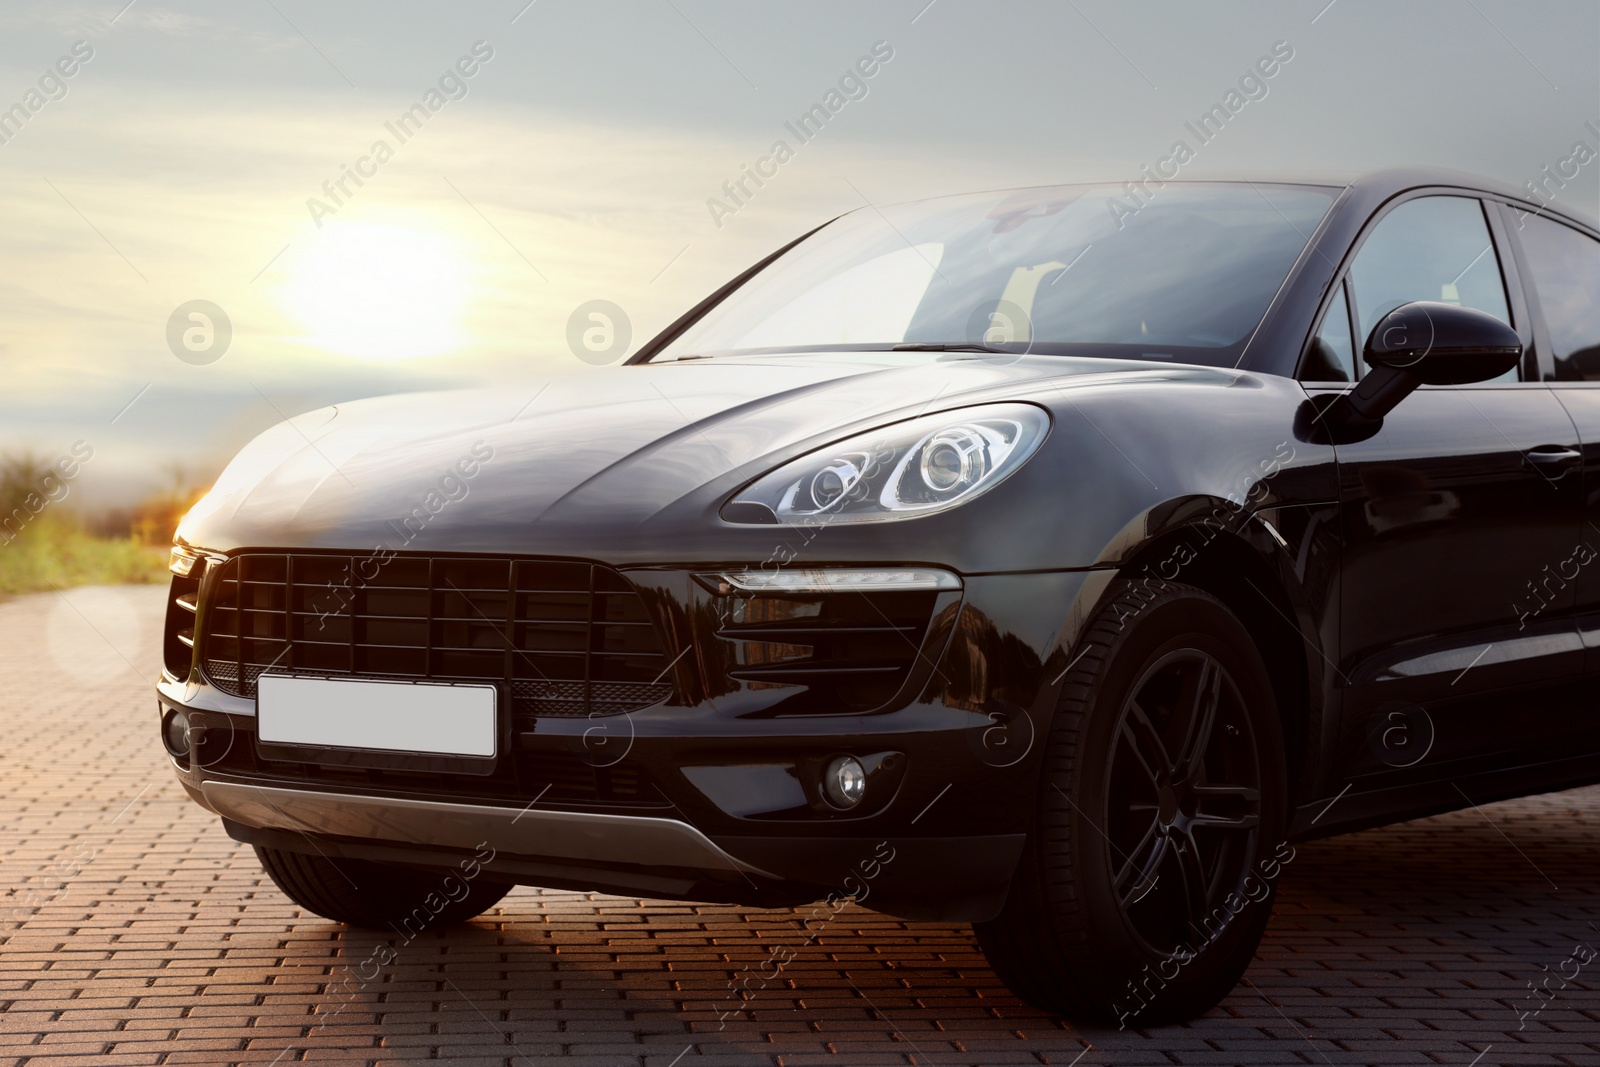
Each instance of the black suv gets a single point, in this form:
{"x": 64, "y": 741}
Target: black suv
{"x": 1050, "y": 559}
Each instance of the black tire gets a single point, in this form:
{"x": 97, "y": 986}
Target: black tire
{"x": 379, "y": 895}
{"x": 1143, "y": 893}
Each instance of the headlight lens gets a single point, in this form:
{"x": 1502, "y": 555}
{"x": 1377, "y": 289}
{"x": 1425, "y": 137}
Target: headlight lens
{"x": 918, "y": 467}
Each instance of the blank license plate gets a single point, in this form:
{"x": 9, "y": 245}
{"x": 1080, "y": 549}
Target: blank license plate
{"x": 422, "y": 717}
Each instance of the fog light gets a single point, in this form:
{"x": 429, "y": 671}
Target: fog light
{"x": 844, "y": 782}
{"x": 175, "y": 734}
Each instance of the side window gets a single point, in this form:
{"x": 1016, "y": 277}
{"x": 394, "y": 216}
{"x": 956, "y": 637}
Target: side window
{"x": 1431, "y": 248}
{"x": 1332, "y": 357}
{"x": 1565, "y": 265}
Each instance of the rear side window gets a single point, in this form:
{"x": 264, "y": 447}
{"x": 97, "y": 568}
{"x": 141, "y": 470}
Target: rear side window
{"x": 1565, "y": 265}
{"x": 1431, "y": 248}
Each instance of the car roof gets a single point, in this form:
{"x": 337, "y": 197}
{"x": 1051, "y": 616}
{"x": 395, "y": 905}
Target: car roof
{"x": 1276, "y": 345}
{"x": 1396, "y": 180}
{"x": 1370, "y": 187}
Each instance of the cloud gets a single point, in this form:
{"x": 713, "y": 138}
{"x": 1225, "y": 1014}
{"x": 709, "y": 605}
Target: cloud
{"x": 200, "y": 193}
{"x": 95, "y": 21}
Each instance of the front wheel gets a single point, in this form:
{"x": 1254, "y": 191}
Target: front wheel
{"x": 379, "y": 895}
{"x": 1148, "y": 877}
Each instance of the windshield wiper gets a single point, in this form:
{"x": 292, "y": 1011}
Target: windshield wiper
{"x": 948, "y": 346}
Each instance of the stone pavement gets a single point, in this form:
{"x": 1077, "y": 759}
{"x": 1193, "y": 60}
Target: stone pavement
{"x": 135, "y": 932}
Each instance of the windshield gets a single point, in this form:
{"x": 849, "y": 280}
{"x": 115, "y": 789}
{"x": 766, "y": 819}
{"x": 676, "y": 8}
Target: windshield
{"x": 1184, "y": 275}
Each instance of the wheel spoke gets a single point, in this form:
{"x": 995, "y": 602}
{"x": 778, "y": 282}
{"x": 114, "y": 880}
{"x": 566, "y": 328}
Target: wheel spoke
{"x": 1155, "y": 846}
{"x": 1245, "y": 821}
{"x": 1198, "y": 723}
{"x": 1192, "y": 872}
{"x": 1141, "y": 734}
{"x": 1227, "y": 807}
{"x": 1245, "y": 794}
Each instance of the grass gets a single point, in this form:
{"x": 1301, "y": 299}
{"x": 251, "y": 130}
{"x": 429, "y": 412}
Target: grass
{"x": 54, "y": 552}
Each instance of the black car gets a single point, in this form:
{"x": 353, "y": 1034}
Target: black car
{"x": 1051, "y": 559}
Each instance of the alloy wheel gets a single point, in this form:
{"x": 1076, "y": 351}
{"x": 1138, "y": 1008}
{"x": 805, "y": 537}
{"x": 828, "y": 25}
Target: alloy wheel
{"x": 1184, "y": 801}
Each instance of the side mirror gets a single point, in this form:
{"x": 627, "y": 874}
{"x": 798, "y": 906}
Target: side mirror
{"x": 1428, "y": 343}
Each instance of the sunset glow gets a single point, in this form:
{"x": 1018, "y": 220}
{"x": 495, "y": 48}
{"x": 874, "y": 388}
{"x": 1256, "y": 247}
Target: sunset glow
{"x": 376, "y": 290}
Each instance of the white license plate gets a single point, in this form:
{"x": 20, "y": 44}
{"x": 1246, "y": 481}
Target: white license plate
{"x": 430, "y": 718}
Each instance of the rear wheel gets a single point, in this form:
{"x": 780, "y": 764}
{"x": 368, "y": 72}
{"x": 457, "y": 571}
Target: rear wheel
{"x": 1147, "y": 879}
{"x": 381, "y": 895}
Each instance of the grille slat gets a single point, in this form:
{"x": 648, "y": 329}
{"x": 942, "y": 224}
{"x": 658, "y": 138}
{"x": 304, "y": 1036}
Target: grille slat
{"x": 564, "y": 638}
{"x": 836, "y": 652}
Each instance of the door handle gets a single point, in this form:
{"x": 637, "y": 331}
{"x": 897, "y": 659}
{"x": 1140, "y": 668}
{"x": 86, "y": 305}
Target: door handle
{"x": 1551, "y": 460}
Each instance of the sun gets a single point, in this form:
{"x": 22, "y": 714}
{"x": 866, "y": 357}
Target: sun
{"x": 377, "y": 290}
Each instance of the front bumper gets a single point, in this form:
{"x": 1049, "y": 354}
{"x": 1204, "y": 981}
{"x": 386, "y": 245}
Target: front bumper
{"x": 720, "y": 808}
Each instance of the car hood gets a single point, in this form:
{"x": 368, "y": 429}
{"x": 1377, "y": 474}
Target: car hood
{"x": 536, "y": 464}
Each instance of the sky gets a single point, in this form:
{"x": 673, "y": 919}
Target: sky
{"x": 196, "y": 149}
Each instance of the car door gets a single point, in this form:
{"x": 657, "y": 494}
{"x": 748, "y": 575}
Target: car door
{"x": 1453, "y": 646}
{"x": 1562, "y": 265}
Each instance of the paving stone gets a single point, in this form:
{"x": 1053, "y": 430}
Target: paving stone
{"x": 1409, "y": 944}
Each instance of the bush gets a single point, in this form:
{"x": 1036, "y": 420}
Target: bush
{"x": 44, "y": 546}
{"x": 19, "y": 476}
{"x": 54, "y": 552}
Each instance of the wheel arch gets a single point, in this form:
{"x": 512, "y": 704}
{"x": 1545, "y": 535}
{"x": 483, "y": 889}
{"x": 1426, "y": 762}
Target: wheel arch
{"x": 1229, "y": 567}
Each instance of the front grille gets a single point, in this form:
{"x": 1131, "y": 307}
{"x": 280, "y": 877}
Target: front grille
{"x": 575, "y": 780}
{"x": 599, "y": 698}
{"x": 564, "y": 638}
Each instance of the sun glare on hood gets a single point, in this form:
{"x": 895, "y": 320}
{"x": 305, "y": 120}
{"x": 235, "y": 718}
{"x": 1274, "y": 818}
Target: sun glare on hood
{"x": 375, "y": 290}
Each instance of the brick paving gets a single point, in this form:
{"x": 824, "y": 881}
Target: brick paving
{"x": 136, "y": 932}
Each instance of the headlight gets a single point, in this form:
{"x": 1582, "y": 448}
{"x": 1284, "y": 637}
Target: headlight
{"x": 918, "y": 467}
